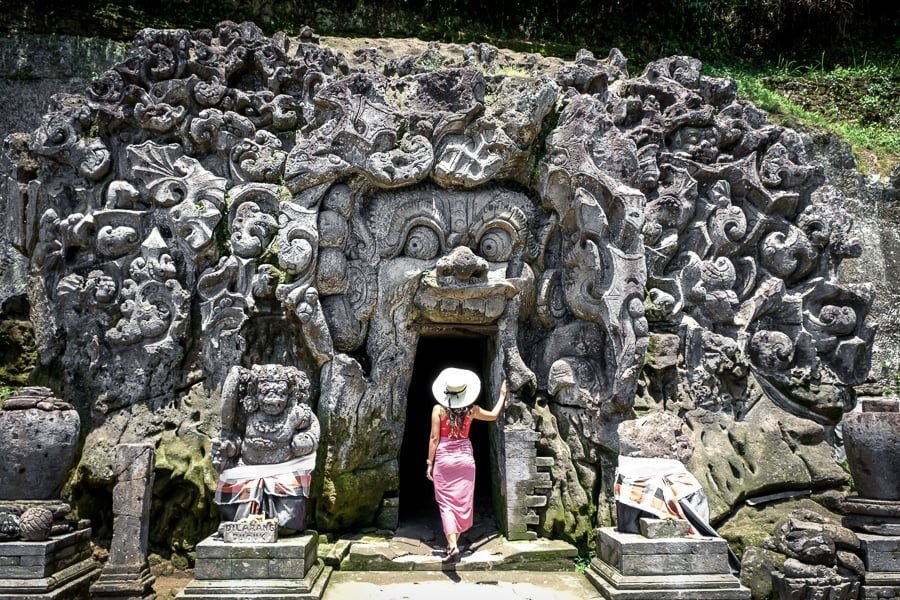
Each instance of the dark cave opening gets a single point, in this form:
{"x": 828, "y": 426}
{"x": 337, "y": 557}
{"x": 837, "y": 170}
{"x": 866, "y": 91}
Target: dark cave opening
{"x": 433, "y": 354}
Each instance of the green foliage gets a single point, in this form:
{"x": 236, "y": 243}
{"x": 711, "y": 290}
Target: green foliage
{"x": 890, "y": 378}
{"x": 857, "y": 102}
{"x": 645, "y": 30}
{"x": 584, "y": 558}
{"x": 5, "y": 392}
{"x": 846, "y": 467}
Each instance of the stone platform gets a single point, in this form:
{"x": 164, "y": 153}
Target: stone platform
{"x": 464, "y": 585}
{"x": 288, "y": 569}
{"x": 881, "y": 555}
{"x": 419, "y": 546}
{"x": 630, "y": 566}
{"x": 877, "y": 523}
{"x": 56, "y": 569}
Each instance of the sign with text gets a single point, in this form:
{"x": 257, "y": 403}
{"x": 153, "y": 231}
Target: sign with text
{"x": 259, "y": 531}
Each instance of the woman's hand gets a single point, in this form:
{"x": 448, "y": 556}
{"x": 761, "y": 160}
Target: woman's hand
{"x": 428, "y": 469}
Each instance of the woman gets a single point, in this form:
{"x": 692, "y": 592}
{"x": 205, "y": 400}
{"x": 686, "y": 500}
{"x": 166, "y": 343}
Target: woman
{"x": 450, "y": 463}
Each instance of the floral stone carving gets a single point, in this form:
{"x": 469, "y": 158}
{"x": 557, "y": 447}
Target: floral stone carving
{"x": 626, "y": 243}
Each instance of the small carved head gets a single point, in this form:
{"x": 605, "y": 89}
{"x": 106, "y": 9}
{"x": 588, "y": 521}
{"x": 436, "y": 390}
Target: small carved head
{"x": 276, "y": 386}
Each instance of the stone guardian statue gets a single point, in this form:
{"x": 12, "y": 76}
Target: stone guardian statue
{"x": 266, "y": 451}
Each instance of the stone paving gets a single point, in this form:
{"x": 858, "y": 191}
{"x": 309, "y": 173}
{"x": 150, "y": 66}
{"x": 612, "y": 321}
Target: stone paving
{"x": 470, "y": 585}
{"x": 418, "y": 545}
{"x": 408, "y": 564}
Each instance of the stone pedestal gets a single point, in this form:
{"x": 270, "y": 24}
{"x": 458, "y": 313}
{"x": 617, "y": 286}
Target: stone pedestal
{"x": 877, "y": 523}
{"x": 879, "y": 517}
{"x": 630, "y": 566}
{"x": 56, "y": 569}
{"x": 881, "y": 555}
{"x": 288, "y": 569}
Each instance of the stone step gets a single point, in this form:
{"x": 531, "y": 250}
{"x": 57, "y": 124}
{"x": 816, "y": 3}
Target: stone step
{"x": 395, "y": 553}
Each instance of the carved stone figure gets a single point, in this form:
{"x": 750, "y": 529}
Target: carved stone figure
{"x": 619, "y": 243}
{"x": 267, "y": 448}
{"x": 822, "y": 561}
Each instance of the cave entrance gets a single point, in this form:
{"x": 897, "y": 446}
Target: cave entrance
{"x": 434, "y": 353}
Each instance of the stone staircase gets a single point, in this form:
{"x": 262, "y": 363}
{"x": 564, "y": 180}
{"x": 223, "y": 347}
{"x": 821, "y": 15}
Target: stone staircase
{"x": 419, "y": 546}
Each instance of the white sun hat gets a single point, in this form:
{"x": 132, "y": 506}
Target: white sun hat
{"x": 456, "y": 388}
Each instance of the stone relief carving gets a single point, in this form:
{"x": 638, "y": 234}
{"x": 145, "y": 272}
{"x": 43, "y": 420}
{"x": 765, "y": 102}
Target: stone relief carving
{"x": 631, "y": 244}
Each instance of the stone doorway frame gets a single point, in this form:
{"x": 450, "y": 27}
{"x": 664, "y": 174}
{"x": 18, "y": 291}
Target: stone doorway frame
{"x": 520, "y": 479}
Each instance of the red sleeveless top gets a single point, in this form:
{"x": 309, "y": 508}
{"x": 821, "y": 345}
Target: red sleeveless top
{"x": 445, "y": 428}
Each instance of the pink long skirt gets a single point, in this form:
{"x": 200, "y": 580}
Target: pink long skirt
{"x": 454, "y": 483}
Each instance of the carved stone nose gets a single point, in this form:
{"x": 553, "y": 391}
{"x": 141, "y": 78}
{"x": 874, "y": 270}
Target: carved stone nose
{"x": 462, "y": 264}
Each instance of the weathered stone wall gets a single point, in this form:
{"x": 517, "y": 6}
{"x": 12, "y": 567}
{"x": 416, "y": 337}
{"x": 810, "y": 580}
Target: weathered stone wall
{"x": 874, "y": 203}
{"x": 32, "y": 69}
{"x": 601, "y": 184}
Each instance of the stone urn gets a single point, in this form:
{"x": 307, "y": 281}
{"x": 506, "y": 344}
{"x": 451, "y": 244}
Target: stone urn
{"x": 39, "y": 441}
{"x": 872, "y": 442}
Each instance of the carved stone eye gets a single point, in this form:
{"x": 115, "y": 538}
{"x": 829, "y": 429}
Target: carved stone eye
{"x": 421, "y": 242}
{"x": 496, "y": 245}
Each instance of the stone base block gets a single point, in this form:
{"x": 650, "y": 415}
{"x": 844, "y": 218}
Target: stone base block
{"x": 311, "y": 587}
{"x": 630, "y": 566}
{"x": 613, "y": 585}
{"x": 58, "y": 568}
{"x": 633, "y": 554}
{"x": 788, "y": 588}
{"x": 287, "y": 569}
{"x": 123, "y": 584}
{"x": 881, "y": 555}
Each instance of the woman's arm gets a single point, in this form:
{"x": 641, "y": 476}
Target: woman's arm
{"x": 491, "y": 415}
{"x": 433, "y": 440}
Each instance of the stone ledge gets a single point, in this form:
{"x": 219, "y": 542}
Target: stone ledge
{"x": 311, "y": 587}
{"x": 55, "y": 544}
{"x": 63, "y": 585}
{"x": 612, "y": 585}
{"x": 633, "y": 554}
{"x": 496, "y": 554}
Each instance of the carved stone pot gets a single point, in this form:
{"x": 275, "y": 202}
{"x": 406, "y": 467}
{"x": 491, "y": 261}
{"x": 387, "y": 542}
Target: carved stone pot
{"x": 872, "y": 441}
{"x": 39, "y": 440}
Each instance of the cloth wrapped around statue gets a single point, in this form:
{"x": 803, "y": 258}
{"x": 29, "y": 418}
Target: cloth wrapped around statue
{"x": 662, "y": 487}
{"x": 279, "y": 491}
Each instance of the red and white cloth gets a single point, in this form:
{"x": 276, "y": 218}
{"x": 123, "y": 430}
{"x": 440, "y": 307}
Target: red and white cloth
{"x": 660, "y": 486}
{"x": 278, "y": 490}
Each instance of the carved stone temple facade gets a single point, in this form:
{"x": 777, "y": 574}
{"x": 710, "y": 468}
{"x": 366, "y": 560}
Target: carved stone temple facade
{"x": 615, "y": 242}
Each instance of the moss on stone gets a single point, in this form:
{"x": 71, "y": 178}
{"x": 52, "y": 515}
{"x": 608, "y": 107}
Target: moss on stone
{"x": 569, "y": 507}
{"x": 18, "y": 352}
{"x": 751, "y": 526}
{"x": 183, "y": 509}
{"x": 352, "y": 499}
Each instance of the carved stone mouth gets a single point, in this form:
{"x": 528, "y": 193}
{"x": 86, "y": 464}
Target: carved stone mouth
{"x": 481, "y": 302}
